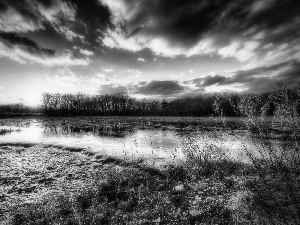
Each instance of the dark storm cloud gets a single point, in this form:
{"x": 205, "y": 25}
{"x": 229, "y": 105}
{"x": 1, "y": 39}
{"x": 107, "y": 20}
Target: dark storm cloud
{"x": 260, "y": 79}
{"x": 291, "y": 74}
{"x": 24, "y": 50}
{"x": 21, "y": 6}
{"x": 128, "y": 32}
{"x": 68, "y": 22}
{"x": 72, "y": 18}
{"x": 12, "y": 39}
{"x": 179, "y": 21}
{"x": 26, "y": 25}
{"x": 280, "y": 71}
{"x": 159, "y": 88}
{"x": 148, "y": 89}
{"x": 183, "y": 24}
{"x": 95, "y": 17}
{"x": 256, "y": 80}
{"x": 23, "y": 16}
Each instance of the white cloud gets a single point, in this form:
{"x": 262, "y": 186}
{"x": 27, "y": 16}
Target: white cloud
{"x": 221, "y": 88}
{"x": 13, "y": 21}
{"x": 141, "y": 60}
{"x": 203, "y": 47}
{"x": 247, "y": 46}
{"x": 70, "y": 35}
{"x": 191, "y": 71}
{"x": 116, "y": 39}
{"x": 260, "y": 5}
{"x": 108, "y": 70}
{"x": 64, "y": 58}
{"x": 86, "y": 52}
{"x": 59, "y": 15}
{"x": 100, "y": 75}
{"x": 59, "y": 10}
{"x": 241, "y": 51}
{"x": 162, "y": 47}
{"x": 65, "y": 78}
{"x": 132, "y": 73}
{"x": 7, "y": 52}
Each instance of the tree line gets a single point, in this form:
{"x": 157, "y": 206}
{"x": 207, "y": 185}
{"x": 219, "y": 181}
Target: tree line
{"x": 98, "y": 105}
{"x": 224, "y": 104}
{"x": 7, "y": 110}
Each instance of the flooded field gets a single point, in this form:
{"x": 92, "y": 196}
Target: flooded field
{"x": 44, "y": 157}
{"x": 130, "y": 138}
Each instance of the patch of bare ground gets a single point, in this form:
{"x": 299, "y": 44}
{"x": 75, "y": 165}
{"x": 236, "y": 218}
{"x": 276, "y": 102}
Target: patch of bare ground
{"x": 28, "y": 173}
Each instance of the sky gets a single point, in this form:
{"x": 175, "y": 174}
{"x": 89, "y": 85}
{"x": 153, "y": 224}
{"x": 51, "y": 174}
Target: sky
{"x": 162, "y": 49}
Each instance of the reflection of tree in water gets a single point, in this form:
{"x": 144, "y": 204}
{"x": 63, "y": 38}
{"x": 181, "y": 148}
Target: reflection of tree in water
{"x": 103, "y": 130}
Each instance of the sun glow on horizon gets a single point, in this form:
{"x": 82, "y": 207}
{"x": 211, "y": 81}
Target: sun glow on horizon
{"x": 33, "y": 100}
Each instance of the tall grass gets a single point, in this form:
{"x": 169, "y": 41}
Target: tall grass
{"x": 5, "y": 131}
{"x": 275, "y": 187}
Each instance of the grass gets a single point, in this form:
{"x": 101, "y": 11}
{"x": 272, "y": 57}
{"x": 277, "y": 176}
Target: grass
{"x": 5, "y": 131}
{"x": 275, "y": 186}
{"x": 129, "y": 196}
{"x": 201, "y": 190}
{"x": 133, "y": 193}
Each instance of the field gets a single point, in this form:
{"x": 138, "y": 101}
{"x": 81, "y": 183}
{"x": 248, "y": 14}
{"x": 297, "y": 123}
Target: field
{"x": 195, "y": 182}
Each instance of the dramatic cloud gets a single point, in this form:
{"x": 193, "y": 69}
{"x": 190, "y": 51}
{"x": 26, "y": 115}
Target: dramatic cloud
{"x": 13, "y": 21}
{"x": 260, "y": 79}
{"x": 224, "y": 27}
{"x": 12, "y": 39}
{"x": 141, "y": 47}
{"x": 243, "y": 30}
{"x": 25, "y": 50}
{"x": 24, "y": 16}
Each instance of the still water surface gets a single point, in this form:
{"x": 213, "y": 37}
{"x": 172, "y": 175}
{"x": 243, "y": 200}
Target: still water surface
{"x": 129, "y": 141}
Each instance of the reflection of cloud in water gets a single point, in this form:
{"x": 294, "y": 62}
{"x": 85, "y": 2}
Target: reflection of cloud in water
{"x": 131, "y": 143}
{"x": 138, "y": 143}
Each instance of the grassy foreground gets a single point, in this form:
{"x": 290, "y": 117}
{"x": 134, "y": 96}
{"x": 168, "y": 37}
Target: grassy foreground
{"x": 201, "y": 190}
{"x": 119, "y": 192}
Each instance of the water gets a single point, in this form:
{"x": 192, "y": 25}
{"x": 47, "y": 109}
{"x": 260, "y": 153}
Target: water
{"x": 133, "y": 139}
